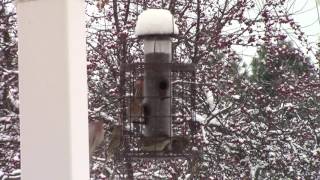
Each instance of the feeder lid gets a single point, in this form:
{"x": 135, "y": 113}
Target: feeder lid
{"x": 156, "y": 22}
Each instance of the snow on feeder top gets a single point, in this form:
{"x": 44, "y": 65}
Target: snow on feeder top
{"x": 156, "y": 22}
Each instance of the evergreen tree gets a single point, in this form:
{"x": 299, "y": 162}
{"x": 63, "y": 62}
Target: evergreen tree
{"x": 270, "y": 69}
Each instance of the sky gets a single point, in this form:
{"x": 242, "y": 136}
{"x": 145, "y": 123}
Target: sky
{"x": 307, "y": 15}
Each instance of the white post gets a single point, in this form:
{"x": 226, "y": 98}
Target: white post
{"x": 53, "y": 90}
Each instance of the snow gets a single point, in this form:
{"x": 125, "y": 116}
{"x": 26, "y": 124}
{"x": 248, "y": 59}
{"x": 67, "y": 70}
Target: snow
{"x": 210, "y": 100}
{"x": 16, "y": 172}
{"x": 215, "y": 122}
{"x": 158, "y": 174}
{"x": 253, "y": 112}
{"x": 200, "y": 118}
{"x": 236, "y": 96}
{"x": 156, "y": 21}
{"x": 316, "y": 151}
{"x": 16, "y": 157}
{"x": 105, "y": 115}
{"x": 97, "y": 109}
{"x": 254, "y": 168}
{"x": 13, "y": 101}
{"x": 5, "y": 119}
{"x": 204, "y": 136}
{"x": 137, "y": 174}
{"x": 288, "y": 105}
{"x": 102, "y": 176}
{"x": 157, "y": 46}
{"x": 4, "y": 137}
{"x": 269, "y": 109}
{"x": 241, "y": 140}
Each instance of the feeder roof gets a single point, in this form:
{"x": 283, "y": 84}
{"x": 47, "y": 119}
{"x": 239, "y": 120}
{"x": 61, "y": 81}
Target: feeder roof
{"x": 156, "y": 22}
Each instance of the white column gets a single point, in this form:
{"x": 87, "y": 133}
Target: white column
{"x": 53, "y": 90}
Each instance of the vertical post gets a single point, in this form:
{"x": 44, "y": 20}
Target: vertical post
{"x": 53, "y": 90}
{"x": 155, "y": 27}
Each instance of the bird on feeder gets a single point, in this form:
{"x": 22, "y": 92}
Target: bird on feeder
{"x": 179, "y": 144}
{"x": 136, "y": 100}
{"x": 136, "y": 108}
{"x": 96, "y": 135}
{"x": 101, "y": 4}
{"x": 155, "y": 143}
{"x": 115, "y": 141}
{"x": 194, "y": 126}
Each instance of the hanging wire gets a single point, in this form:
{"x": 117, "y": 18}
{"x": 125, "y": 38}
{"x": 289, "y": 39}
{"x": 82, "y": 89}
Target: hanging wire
{"x": 318, "y": 13}
{"x": 172, "y": 21}
{"x": 154, "y": 46}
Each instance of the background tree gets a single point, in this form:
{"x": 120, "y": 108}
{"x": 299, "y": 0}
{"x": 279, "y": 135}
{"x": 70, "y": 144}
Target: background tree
{"x": 280, "y": 97}
{"x": 9, "y": 105}
{"x": 237, "y": 134}
{"x": 245, "y": 131}
{"x": 287, "y": 59}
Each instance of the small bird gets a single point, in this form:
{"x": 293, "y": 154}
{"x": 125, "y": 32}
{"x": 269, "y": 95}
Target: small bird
{"x": 96, "y": 135}
{"x": 194, "y": 126}
{"x": 135, "y": 110}
{"x": 115, "y": 141}
{"x": 101, "y": 4}
{"x": 155, "y": 143}
{"x": 179, "y": 143}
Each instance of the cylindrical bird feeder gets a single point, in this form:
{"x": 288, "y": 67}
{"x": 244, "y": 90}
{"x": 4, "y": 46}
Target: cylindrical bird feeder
{"x": 155, "y": 27}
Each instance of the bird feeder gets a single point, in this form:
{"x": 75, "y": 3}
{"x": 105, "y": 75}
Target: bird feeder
{"x": 159, "y": 125}
{"x": 157, "y": 96}
{"x": 155, "y": 27}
